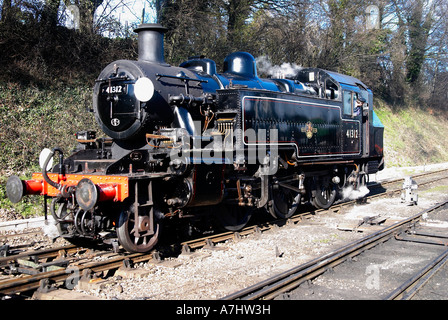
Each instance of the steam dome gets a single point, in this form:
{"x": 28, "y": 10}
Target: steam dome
{"x": 240, "y": 63}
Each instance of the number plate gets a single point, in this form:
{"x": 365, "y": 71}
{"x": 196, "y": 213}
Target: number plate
{"x": 115, "y": 89}
{"x": 352, "y": 134}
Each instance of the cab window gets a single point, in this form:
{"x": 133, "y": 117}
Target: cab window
{"x": 331, "y": 90}
{"x": 348, "y": 102}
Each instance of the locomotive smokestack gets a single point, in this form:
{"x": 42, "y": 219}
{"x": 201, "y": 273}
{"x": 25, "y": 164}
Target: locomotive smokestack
{"x": 150, "y": 42}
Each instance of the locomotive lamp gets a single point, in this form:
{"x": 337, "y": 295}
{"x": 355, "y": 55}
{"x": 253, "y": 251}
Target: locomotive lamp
{"x": 144, "y": 89}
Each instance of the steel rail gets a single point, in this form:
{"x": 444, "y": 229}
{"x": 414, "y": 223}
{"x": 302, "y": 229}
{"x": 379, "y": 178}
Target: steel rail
{"x": 29, "y": 283}
{"x": 44, "y": 253}
{"x": 286, "y": 281}
{"x": 409, "y": 288}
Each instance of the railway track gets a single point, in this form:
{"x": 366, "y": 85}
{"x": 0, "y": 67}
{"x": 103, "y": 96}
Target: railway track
{"x": 412, "y": 286}
{"x": 287, "y": 281}
{"x": 30, "y": 283}
{"x": 54, "y": 257}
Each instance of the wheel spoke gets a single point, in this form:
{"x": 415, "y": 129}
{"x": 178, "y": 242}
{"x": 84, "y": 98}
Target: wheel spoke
{"x": 137, "y": 237}
{"x": 325, "y": 193}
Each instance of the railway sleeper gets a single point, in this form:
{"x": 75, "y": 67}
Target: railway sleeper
{"x": 31, "y": 267}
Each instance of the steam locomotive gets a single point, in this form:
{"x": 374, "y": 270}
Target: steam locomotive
{"x": 188, "y": 141}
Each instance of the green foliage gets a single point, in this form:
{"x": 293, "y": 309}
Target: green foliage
{"x": 28, "y": 207}
{"x": 34, "y": 55}
{"x": 32, "y": 119}
{"x": 413, "y": 136}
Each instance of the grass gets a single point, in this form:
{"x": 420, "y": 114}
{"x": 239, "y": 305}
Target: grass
{"x": 331, "y": 238}
{"x": 413, "y": 136}
{"x": 436, "y": 189}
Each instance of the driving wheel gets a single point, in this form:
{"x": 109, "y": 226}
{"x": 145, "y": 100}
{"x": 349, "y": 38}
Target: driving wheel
{"x": 284, "y": 200}
{"x": 232, "y": 217}
{"x": 325, "y": 193}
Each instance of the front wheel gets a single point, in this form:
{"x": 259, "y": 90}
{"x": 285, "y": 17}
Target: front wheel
{"x": 138, "y": 232}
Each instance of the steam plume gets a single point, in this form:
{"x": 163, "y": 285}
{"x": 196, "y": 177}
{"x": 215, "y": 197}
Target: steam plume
{"x": 350, "y": 194}
{"x": 285, "y": 70}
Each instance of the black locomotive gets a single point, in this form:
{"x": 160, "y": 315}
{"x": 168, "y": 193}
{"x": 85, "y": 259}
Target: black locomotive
{"x": 187, "y": 141}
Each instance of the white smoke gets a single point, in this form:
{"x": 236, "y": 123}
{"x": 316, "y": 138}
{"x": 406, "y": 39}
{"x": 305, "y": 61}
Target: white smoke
{"x": 351, "y": 194}
{"x": 285, "y": 70}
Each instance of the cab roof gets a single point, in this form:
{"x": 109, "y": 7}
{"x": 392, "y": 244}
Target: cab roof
{"x": 304, "y": 76}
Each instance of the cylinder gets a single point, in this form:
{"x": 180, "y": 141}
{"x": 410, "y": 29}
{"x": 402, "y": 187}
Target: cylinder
{"x": 150, "y": 42}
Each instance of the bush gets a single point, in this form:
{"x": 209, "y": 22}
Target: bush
{"x": 33, "y": 55}
{"x": 34, "y": 118}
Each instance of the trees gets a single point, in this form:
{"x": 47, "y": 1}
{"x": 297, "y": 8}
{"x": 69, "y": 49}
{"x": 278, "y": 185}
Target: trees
{"x": 214, "y": 28}
{"x": 87, "y": 10}
{"x": 404, "y": 56}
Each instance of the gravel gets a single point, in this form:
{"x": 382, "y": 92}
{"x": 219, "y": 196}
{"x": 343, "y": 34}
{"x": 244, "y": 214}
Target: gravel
{"x": 9, "y": 215}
